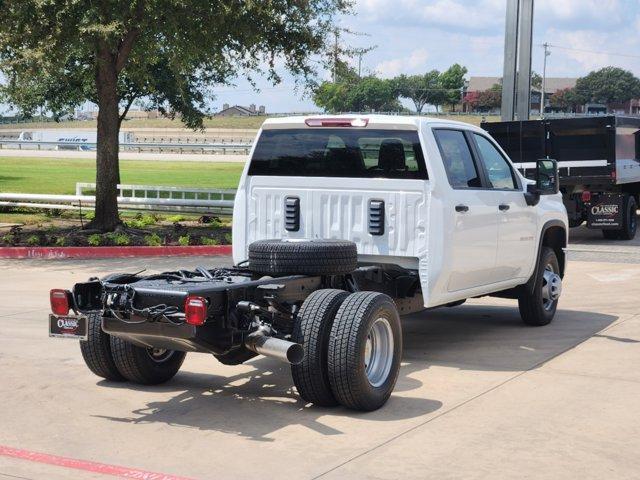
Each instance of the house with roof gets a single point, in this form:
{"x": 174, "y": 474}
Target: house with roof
{"x": 240, "y": 111}
{"x": 553, "y": 85}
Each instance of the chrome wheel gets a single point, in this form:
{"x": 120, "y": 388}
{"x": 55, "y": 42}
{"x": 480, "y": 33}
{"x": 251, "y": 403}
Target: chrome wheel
{"x": 159, "y": 355}
{"x": 378, "y": 352}
{"x": 551, "y": 287}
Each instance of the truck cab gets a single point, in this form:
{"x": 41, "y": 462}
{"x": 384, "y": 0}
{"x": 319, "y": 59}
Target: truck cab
{"x": 437, "y": 197}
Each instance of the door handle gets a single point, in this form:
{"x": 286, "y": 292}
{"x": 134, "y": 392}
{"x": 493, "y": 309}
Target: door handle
{"x": 462, "y": 208}
{"x": 504, "y": 207}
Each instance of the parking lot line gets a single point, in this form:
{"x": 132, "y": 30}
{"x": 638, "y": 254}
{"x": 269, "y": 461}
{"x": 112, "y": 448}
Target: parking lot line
{"x": 76, "y": 464}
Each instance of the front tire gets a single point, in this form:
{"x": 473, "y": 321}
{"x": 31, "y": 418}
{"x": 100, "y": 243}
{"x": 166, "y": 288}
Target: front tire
{"x": 312, "y": 330}
{"x": 96, "y": 350}
{"x": 365, "y": 350}
{"x": 538, "y": 308}
{"x": 145, "y": 366}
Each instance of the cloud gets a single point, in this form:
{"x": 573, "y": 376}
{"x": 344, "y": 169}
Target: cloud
{"x": 458, "y": 14}
{"x": 415, "y": 62}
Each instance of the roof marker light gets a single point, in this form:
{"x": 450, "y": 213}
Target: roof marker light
{"x": 337, "y": 122}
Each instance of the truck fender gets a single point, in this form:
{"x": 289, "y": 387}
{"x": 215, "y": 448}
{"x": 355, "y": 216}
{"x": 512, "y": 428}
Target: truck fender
{"x": 558, "y": 243}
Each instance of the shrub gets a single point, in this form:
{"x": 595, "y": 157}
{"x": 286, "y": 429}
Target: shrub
{"x": 95, "y": 240}
{"x": 119, "y": 239}
{"x": 141, "y": 221}
{"x": 176, "y": 218}
{"x": 227, "y": 238}
{"x": 61, "y": 241}
{"x": 33, "y": 240}
{"x": 153, "y": 240}
{"x": 184, "y": 240}
{"x": 9, "y": 239}
{"x": 209, "y": 241}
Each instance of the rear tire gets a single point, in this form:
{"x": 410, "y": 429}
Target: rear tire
{"x": 365, "y": 350}
{"x": 629, "y": 222}
{"x": 539, "y": 308}
{"x": 630, "y": 225}
{"x": 312, "y": 330}
{"x": 96, "y": 350}
{"x": 144, "y": 365}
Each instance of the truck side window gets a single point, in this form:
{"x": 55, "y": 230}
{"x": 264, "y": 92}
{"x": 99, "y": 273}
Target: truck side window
{"x": 458, "y": 161}
{"x": 498, "y": 170}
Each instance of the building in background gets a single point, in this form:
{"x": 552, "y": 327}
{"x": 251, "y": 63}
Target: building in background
{"x": 482, "y": 94}
{"x": 240, "y": 111}
{"x": 478, "y": 86}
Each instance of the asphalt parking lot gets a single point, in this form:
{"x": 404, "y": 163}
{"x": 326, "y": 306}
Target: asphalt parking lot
{"x": 479, "y": 395}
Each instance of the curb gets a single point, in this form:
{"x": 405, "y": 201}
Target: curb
{"x": 112, "y": 252}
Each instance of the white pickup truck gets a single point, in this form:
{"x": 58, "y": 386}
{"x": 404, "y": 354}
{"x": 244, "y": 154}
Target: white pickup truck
{"x": 341, "y": 225}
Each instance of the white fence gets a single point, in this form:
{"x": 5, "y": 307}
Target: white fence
{"x": 132, "y": 197}
{"x": 218, "y": 147}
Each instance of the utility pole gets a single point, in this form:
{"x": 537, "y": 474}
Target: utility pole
{"x": 335, "y": 56}
{"x": 547, "y": 52}
{"x": 360, "y": 52}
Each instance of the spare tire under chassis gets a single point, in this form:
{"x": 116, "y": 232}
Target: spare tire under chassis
{"x": 303, "y": 257}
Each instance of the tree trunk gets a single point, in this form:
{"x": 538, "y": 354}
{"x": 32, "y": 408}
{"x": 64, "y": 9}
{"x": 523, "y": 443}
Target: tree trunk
{"x": 107, "y": 161}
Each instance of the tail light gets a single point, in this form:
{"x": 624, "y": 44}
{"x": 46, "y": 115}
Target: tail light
{"x": 337, "y": 122}
{"x": 59, "y": 301}
{"x": 586, "y": 196}
{"x": 195, "y": 310}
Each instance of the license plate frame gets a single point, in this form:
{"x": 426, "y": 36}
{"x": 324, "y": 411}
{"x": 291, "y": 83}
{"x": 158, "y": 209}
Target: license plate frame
{"x": 68, "y": 326}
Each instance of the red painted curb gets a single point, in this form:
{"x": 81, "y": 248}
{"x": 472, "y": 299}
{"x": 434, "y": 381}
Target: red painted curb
{"x": 95, "y": 467}
{"x": 112, "y": 252}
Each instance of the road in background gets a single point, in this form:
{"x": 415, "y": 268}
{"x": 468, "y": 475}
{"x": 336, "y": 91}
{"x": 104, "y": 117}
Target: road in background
{"x": 589, "y": 245}
{"x": 480, "y": 395}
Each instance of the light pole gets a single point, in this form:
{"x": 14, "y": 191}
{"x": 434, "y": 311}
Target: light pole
{"x": 516, "y": 78}
{"x": 547, "y": 52}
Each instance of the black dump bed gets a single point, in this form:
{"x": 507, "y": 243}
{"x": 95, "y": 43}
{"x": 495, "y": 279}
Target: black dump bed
{"x": 589, "y": 150}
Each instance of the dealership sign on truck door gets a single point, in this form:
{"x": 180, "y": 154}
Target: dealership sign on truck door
{"x": 606, "y": 212}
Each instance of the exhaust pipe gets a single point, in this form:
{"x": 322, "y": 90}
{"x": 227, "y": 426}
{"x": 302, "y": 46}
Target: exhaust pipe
{"x": 275, "y": 348}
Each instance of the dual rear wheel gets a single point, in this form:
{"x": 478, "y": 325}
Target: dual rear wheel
{"x": 353, "y": 349}
{"x": 117, "y": 360}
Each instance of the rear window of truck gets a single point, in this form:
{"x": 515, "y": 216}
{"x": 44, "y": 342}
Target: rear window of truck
{"x": 339, "y": 152}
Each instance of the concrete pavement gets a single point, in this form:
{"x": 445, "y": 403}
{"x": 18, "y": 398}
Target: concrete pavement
{"x": 479, "y": 395}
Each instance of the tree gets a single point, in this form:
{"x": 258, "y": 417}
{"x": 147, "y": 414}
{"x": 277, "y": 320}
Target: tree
{"x": 374, "y": 94}
{"x": 471, "y": 100}
{"x": 452, "y": 80}
{"x": 489, "y": 99}
{"x": 421, "y": 89}
{"x": 359, "y": 95}
{"x": 335, "y": 97}
{"x": 564, "y": 100}
{"x": 58, "y": 54}
{"x": 608, "y": 85}
{"x": 332, "y": 97}
{"x": 536, "y": 81}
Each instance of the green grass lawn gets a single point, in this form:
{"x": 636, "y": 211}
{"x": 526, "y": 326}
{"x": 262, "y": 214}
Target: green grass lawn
{"x": 59, "y": 176}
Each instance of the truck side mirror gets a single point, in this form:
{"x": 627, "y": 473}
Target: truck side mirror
{"x": 547, "y": 179}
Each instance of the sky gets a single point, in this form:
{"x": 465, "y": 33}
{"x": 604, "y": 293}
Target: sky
{"x": 415, "y": 36}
